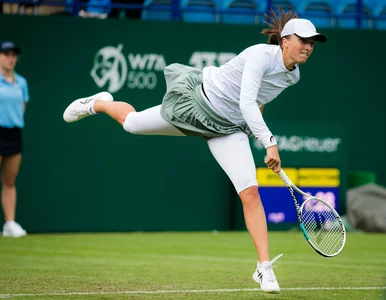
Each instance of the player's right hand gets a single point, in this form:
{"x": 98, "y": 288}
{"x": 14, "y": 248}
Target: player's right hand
{"x": 272, "y": 159}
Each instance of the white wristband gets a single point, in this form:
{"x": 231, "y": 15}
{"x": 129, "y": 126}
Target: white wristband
{"x": 268, "y": 141}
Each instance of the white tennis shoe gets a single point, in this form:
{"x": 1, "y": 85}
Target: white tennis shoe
{"x": 265, "y": 276}
{"x": 13, "y": 229}
{"x": 83, "y": 107}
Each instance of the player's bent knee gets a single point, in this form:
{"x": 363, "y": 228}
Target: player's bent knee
{"x": 129, "y": 124}
{"x": 247, "y": 188}
{"x": 249, "y": 196}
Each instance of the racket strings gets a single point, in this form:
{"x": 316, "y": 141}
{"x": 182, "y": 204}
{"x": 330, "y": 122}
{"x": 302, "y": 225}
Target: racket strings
{"x": 326, "y": 240}
{"x": 322, "y": 226}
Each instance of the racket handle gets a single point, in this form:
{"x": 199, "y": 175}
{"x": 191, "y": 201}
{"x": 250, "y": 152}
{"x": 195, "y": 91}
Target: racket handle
{"x": 282, "y": 175}
{"x": 285, "y": 178}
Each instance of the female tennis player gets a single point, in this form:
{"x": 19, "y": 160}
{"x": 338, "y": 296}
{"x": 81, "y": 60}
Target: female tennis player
{"x": 224, "y": 105}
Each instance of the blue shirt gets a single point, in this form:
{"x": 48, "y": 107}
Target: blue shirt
{"x": 12, "y": 99}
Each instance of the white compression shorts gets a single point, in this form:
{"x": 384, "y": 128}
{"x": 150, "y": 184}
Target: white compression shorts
{"x": 149, "y": 122}
{"x": 232, "y": 152}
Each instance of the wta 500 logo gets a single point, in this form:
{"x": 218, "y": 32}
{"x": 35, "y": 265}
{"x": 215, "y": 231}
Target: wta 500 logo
{"x": 111, "y": 69}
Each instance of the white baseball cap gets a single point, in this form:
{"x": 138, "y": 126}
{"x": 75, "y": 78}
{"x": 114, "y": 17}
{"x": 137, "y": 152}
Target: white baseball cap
{"x": 302, "y": 28}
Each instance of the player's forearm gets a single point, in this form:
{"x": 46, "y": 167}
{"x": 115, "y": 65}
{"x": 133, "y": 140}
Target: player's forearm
{"x": 256, "y": 123}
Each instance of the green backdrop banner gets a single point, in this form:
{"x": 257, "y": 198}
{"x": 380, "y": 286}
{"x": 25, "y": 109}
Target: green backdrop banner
{"x": 93, "y": 176}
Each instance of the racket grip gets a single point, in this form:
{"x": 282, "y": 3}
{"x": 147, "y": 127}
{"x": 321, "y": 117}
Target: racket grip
{"x": 285, "y": 178}
{"x": 282, "y": 175}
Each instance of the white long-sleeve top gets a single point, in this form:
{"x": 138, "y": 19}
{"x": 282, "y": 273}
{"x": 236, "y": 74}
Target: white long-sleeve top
{"x": 253, "y": 78}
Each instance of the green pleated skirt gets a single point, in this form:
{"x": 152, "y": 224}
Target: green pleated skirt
{"x": 184, "y": 107}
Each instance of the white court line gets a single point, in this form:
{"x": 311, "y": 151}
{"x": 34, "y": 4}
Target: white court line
{"x": 192, "y": 291}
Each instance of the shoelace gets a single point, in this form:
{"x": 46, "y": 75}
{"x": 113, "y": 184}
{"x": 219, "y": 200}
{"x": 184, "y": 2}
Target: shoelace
{"x": 87, "y": 100}
{"x": 276, "y": 258}
{"x": 268, "y": 268}
{"x": 86, "y": 103}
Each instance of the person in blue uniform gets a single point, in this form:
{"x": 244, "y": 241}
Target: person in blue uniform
{"x": 13, "y": 99}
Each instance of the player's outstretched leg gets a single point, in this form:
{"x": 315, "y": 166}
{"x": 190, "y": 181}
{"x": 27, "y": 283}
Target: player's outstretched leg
{"x": 84, "y": 107}
{"x": 98, "y": 103}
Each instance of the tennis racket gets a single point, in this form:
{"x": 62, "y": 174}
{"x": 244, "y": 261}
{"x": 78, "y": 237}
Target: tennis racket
{"x": 319, "y": 222}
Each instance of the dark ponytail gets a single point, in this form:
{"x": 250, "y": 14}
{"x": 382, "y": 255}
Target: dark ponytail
{"x": 276, "y": 25}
